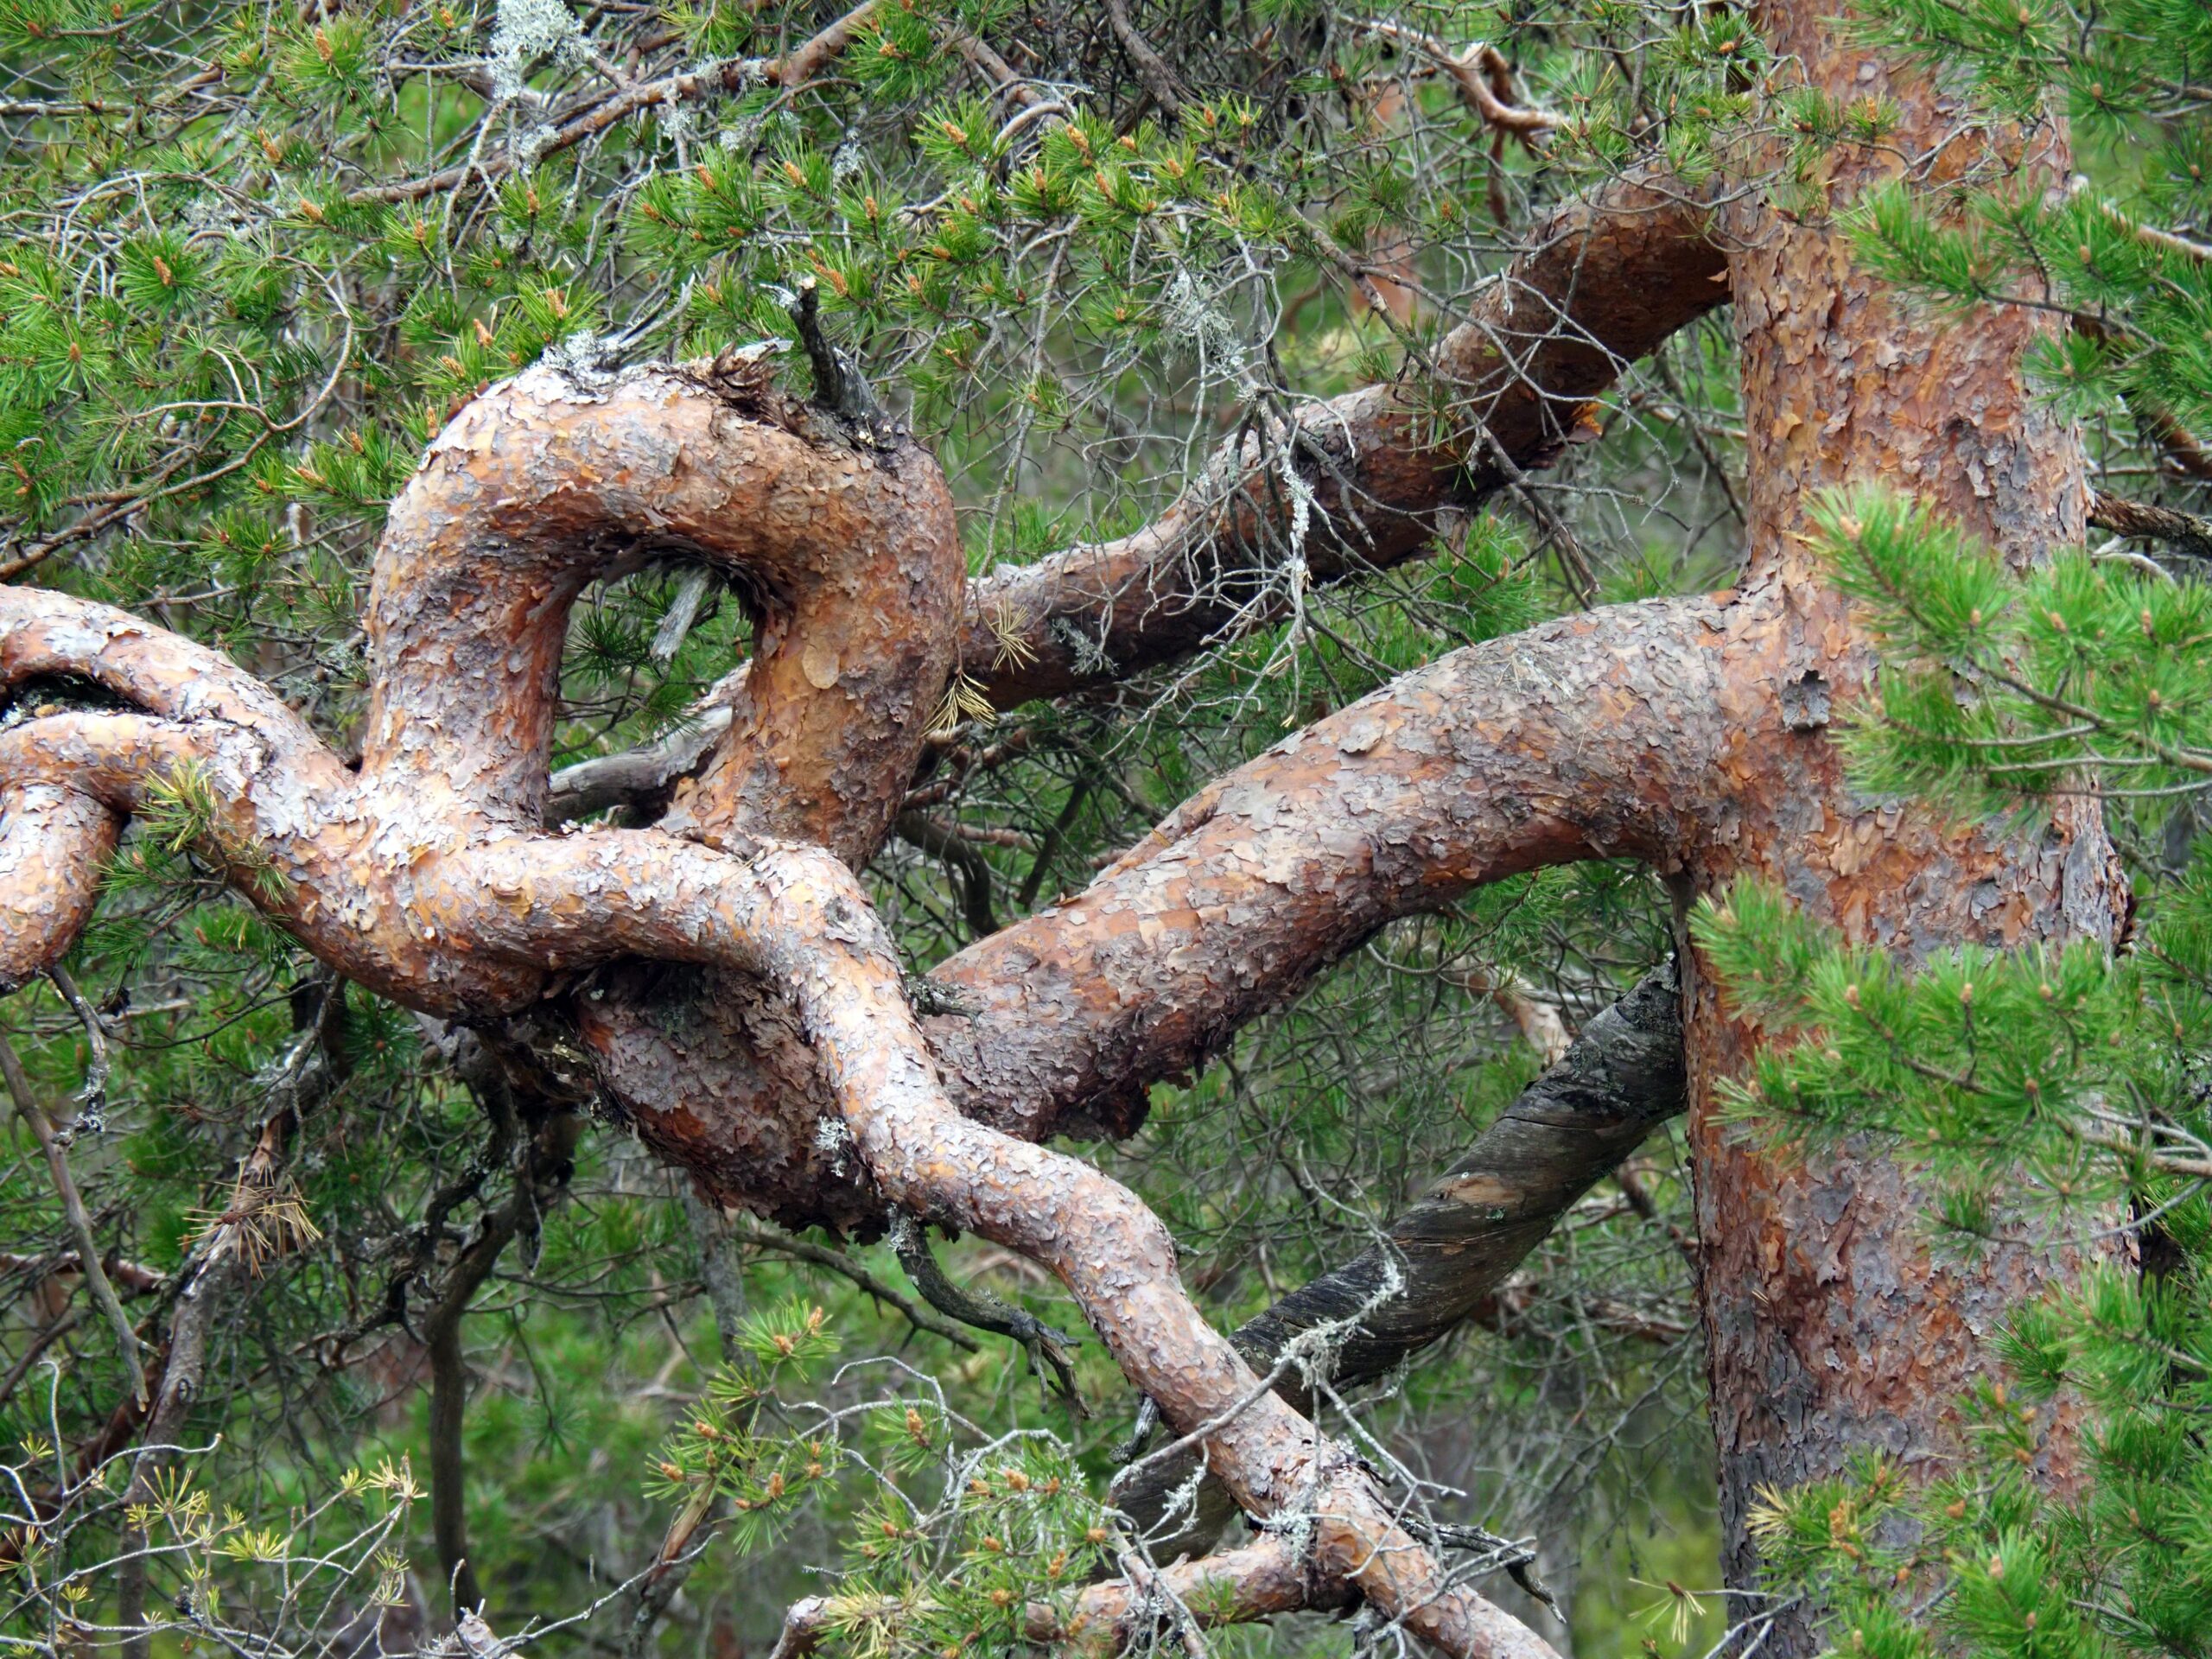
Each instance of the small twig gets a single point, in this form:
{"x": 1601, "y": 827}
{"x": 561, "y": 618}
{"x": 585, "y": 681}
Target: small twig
{"x": 995, "y": 68}
{"x": 987, "y": 1311}
{"x": 1141, "y": 1431}
{"x": 593, "y": 115}
{"x": 972, "y": 869}
{"x": 799, "y": 1249}
{"x": 130, "y": 1278}
{"x": 28, "y": 1357}
{"x": 1516, "y": 1557}
{"x": 1647, "y": 1208}
{"x": 1484, "y": 78}
{"x": 73, "y": 1205}
{"x": 91, "y": 1105}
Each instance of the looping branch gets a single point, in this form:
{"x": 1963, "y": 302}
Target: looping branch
{"x": 796, "y": 918}
{"x": 845, "y": 553}
{"x": 1602, "y": 282}
{"x": 428, "y": 876}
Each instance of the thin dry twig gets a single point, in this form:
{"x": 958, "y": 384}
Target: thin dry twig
{"x": 1484, "y": 78}
{"x": 80, "y": 1223}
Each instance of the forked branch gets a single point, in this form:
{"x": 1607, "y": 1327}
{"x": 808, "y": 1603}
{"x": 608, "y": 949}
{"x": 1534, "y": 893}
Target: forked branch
{"x": 531, "y": 905}
{"x": 1604, "y": 281}
{"x": 426, "y": 876}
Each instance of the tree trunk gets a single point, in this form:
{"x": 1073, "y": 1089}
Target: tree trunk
{"x": 1831, "y": 1324}
{"x": 736, "y": 997}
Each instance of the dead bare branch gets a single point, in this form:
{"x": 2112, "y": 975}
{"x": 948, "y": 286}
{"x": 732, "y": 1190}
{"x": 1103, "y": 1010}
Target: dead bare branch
{"x": 1452, "y": 1254}
{"x": 73, "y": 1209}
{"x": 1604, "y": 281}
{"x": 2185, "y": 532}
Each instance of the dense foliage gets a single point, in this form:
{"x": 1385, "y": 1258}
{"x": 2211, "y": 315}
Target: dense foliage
{"x": 252, "y": 256}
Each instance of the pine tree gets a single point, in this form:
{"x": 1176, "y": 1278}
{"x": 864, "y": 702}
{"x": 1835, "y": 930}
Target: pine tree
{"x": 450, "y": 995}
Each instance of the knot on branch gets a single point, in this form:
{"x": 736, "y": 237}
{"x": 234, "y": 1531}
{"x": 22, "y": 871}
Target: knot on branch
{"x": 744, "y": 378}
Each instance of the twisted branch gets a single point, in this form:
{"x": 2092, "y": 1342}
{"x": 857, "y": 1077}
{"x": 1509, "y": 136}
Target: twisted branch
{"x": 426, "y": 876}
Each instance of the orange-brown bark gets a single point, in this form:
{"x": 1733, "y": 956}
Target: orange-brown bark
{"x": 744, "y": 993}
{"x": 422, "y": 877}
{"x": 525, "y": 904}
{"x": 1588, "y": 737}
{"x": 1830, "y": 1325}
{"x": 845, "y": 553}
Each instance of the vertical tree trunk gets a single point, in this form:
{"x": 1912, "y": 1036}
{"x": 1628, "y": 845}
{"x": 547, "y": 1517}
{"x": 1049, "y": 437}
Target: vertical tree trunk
{"x": 1831, "y": 1324}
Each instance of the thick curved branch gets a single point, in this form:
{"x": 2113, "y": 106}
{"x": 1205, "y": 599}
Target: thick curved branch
{"x": 53, "y": 843}
{"x": 1591, "y": 736}
{"x": 845, "y": 552}
{"x": 1604, "y": 281}
{"x": 1588, "y": 737}
{"x": 46, "y": 635}
{"x": 797, "y": 918}
{"x": 843, "y": 544}
{"x": 1118, "y": 1262}
{"x": 1450, "y": 1255}
{"x": 313, "y": 855}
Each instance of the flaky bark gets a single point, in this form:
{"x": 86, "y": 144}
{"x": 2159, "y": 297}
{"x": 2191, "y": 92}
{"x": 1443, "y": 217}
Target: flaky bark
{"x": 1605, "y": 280}
{"x": 1587, "y": 737}
{"x": 1830, "y": 1325}
{"x": 845, "y": 554}
{"x": 717, "y": 1080}
{"x": 422, "y": 876}
{"x": 737, "y": 996}
{"x": 797, "y": 919}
